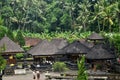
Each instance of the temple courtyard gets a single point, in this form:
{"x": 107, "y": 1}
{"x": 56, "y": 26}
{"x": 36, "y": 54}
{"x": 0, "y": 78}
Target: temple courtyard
{"x": 27, "y": 76}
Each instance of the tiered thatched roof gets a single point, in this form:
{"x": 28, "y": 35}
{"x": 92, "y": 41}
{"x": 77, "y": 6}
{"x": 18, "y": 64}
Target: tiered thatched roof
{"x": 86, "y": 43}
{"x": 99, "y": 53}
{"x": 10, "y": 46}
{"x": 95, "y": 36}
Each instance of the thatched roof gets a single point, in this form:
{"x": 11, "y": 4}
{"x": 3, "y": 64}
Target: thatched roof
{"x": 10, "y": 46}
{"x": 59, "y": 42}
{"x": 43, "y": 48}
{"x": 86, "y": 43}
{"x": 95, "y": 36}
{"x": 75, "y": 47}
{"x": 99, "y": 53}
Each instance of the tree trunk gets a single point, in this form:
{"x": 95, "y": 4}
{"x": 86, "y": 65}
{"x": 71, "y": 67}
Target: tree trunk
{"x": 98, "y": 25}
{"x": 110, "y": 28}
{"x": 95, "y": 68}
{"x": 103, "y": 25}
{"x": 84, "y": 27}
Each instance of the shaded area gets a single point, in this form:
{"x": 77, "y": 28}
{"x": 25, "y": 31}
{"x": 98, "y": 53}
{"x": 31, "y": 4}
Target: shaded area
{"x": 74, "y": 48}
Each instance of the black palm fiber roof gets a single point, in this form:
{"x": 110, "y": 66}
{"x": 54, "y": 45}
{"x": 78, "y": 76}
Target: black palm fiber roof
{"x": 86, "y": 43}
{"x": 75, "y": 47}
{"x": 95, "y": 36}
{"x": 98, "y": 52}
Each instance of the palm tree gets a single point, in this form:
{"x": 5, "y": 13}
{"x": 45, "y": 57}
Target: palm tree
{"x": 84, "y": 14}
{"x": 105, "y": 14}
{"x": 96, "y": 16}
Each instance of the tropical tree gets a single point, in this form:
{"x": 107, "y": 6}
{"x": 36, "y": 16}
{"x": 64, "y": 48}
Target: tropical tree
{"x": 10, "y": 35}
{"x": 19, "y": 13}
{"x": 65, "y": 22}
{"x": 84, "y": 14}
{"x": 53, "y": 15}
{"x": 105, "y": 14}
{"x": 36, "y": 11}
{"x": 6, "y": 13}
{"x": 3, "y": 31}
{"x": 60, "y": 15}
{"x": 20, "y": 38}
{"x": 1, "y": 21}
{"x": 69, "y": 8}
{"x": 96, "y": 19}
{"x": 115, "y": 39}
{"x": 118, "y": 14}
{"x": 82, "y": 75}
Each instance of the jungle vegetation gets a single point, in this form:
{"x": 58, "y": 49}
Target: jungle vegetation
{"x": 61, "y": 15}
{"x": 69, "y": 19}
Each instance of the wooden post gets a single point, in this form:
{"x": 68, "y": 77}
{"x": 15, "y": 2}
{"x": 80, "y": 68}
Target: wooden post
{"x": 94, "y": 67}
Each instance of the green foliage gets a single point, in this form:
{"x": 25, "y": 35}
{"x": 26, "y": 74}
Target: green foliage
{"x": 1, "y": 21}
{"x": 60, "y": 15}
{"x": 49, "y": 18}
{"x": 10, "y": 34}
{"x": 3, "y": 31}
{"x": 20, "y": 38}
{"x": 2, "y": 63}
{"x": 2, "y": 60}
{"x": 82, "y": 75}
{"x": 59, "y": 67}
{"x": 38, "y": 27}
{"x": 115, "y": 39}
{"x": 66, "y": 22}
{"x": 19, "y": 55}
{"x": 26, "y": 48}
{"x": 68, "y": 35}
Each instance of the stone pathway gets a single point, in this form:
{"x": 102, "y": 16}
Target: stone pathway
{"x": 28, "y": 76}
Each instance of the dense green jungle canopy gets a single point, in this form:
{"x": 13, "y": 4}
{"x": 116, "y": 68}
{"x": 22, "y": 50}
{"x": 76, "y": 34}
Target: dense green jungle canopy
{"x": 61, "y": 15}
{"x": 69, "y": 19}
